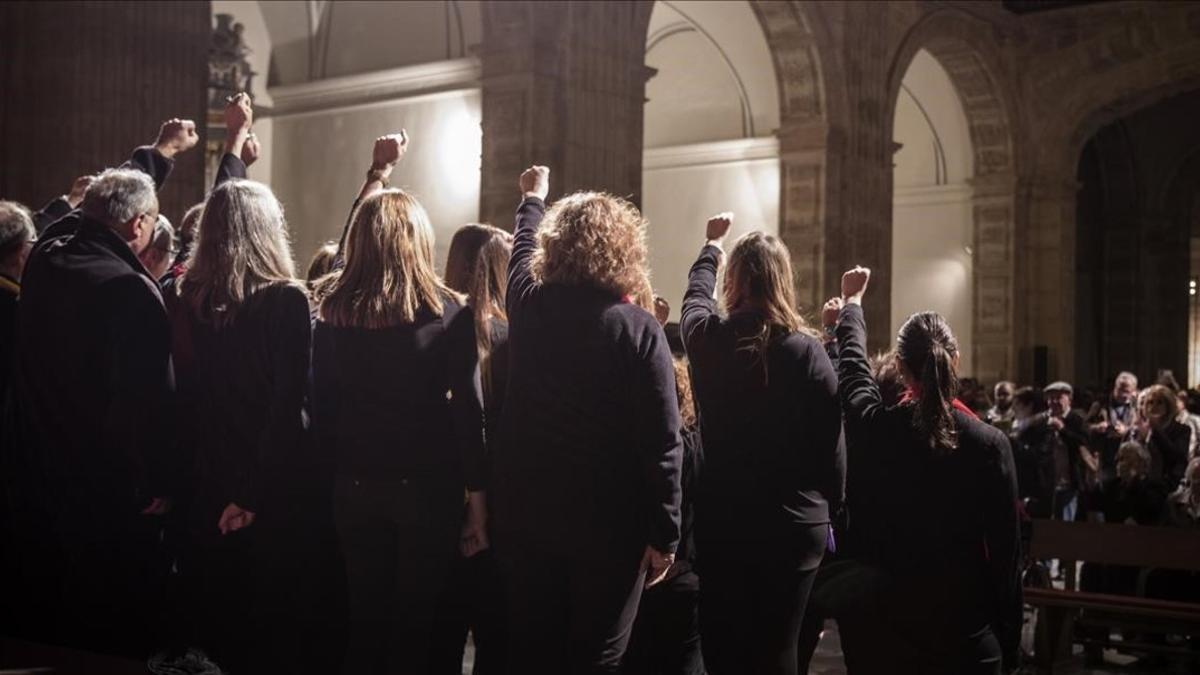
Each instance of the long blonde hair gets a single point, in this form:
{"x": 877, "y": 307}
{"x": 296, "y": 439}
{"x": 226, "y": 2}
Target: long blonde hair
{"x": 389, "y": 274}
{"x": 593, "y": 239}
{"x": 759, "y": 278}
{"x": 241, "y": 247}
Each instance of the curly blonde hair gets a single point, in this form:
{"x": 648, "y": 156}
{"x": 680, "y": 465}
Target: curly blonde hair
{"x": 593, "y": 239}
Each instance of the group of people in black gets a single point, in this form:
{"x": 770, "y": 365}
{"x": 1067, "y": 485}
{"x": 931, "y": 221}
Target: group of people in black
{"x": 231, "y": 468}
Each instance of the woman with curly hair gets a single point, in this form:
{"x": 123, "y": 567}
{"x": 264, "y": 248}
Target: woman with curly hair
{"x": 774, "y": 459}
{"x": 587, "y": 492}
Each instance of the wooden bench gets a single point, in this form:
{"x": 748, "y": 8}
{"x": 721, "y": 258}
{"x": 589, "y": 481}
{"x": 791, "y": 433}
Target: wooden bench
{"x": 1060, "y": 611}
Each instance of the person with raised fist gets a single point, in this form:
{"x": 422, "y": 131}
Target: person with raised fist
{"x": 587, "y": 489}
{"x": 950, "y": 545}
{"x": 774, "y": 458}
{"x": 398, "y": 411}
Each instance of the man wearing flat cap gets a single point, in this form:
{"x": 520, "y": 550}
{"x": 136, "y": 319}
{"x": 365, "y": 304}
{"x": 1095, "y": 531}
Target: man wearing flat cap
{"x": 1057, "y": 439}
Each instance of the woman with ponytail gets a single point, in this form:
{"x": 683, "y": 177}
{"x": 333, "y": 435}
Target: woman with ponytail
{"x": 951, "y": 603}
{"x": 774, "y": 461}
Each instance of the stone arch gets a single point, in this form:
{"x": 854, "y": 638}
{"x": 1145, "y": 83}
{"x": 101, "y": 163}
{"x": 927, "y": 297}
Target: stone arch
{"x": 1140, "y": 55}
{"x": 813, "y": 109}
{"x": 967, "y": 50}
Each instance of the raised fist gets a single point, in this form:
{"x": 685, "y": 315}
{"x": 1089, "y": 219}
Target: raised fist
{"x": 535, "y": 181}
{"x": 662, "y": 310}
{"x": 250, "y": 150}
{"x": 80, "y": 186}
{"x": 238, "y": 113}
{"x": 854, "y": 283}
{"x": 829, "y": 313}
{"x": 388, "y": 150}
{"x": 718, "y": 226}
{"x": 176, "y": 136}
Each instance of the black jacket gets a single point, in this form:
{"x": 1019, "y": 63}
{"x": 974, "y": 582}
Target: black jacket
{"x": 590, "y": 448}
{"x": 241, "y": 399}
{"x": 402, "y": 402}
{"x": 1169, "y": 452}
{"x": 952, "y": 536}
{"x": 772, "y": 424}
{"x": 93, "y": 378}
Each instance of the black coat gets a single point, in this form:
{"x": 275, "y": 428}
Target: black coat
{"x": 1169, "y": 452}
{"x": 772, "y": 424}
{"x": 403, "y": 402}
{"x": 590, "y": 449}
{"x": 242, "y": 390}
{"x": 952, "y": 536}
{"x": 93, "y": 378}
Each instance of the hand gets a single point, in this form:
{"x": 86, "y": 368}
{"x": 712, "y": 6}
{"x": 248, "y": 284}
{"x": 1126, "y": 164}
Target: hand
{"x": 388, "y": 151}
{"x": 1100, "y": 427}
{"x": 80, "y": 186}
{"x": 234, "y": 518}
{"x": 239, "y": 116}
{"x": 1090, "y": 460}
{"x": 662, "y": 310}
{"x": 176, "y": 136}
{"x": 656, "y": 565}
{"x": 250, "y": 150}
{"x": 718, "y": 226}
{"x": 1055, "y": 423}
{"x": 473, "y": 537}
{"x": 158, "y": 506}
{"x": 535, "y": 182}
{"x": 1119, "y": 430}
{"x": 829, "y": 313}
{"x": 854, "y": 284}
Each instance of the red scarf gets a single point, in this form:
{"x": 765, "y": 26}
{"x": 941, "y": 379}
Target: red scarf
{"x": 908, "y": 397}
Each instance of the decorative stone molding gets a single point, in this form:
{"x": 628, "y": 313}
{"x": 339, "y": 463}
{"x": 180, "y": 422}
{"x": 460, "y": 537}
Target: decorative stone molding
{"x": 384, "y": 85}
{"x": 706, "y": 154}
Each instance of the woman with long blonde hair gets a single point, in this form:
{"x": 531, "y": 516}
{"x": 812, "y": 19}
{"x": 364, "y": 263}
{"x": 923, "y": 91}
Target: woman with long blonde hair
{"x": 397, "y": 409}
{"x": 587, "y": 491}
{"x": 774, "y": 460}
{"x": 241, "y": 337}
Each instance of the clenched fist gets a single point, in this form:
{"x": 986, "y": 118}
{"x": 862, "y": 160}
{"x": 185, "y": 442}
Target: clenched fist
{"x": 829, "y": 313}
{"x": 239, "y": 116}
{"x": 535, "y": 182}
{"x": 718, "y": 226}
{"x": 250, "y": 150}
{"x": 854, "y": 284}
{"x": 176, "y": 136}
{"x": 78, "y": 188}
{"x": 388, "y": 150}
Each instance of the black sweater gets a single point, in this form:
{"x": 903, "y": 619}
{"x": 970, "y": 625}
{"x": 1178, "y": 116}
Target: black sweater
{"x": 590, "y": 450}
{"x": 772, "y": 428}
{"x": 951, "y": 537}
{"x": 242, "y": 389}
{"x": 402, "y": 402}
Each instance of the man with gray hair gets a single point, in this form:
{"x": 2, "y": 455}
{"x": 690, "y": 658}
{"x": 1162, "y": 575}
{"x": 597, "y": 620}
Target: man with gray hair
{"x": 16, "y": 240}
{"x": 94, "y": 382}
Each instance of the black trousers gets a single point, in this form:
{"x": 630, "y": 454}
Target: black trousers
{"x": 666, "y": 632}
{"x": 752, "y": 601}
{"x": 398, "y": 538}
{"x": 571, "y": 608}
{"x": 471, "y": 600}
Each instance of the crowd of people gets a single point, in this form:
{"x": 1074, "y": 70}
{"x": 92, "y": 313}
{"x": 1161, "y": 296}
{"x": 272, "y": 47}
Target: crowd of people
{"x": 213, "y": 463}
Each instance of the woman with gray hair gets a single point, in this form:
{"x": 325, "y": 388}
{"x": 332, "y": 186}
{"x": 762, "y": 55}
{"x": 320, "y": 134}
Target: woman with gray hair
{"x": 240, "y": 324}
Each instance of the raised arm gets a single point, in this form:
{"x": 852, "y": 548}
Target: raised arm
{"x": 699, "y": 313}
{"x": 62, "y": 205}
{"x": 175, "y": 136}
{"x": 241, "y": 146}
{"x": 535, "y": 185}
{"x": 860, "y": 393}
{"x": 386, "y": 153}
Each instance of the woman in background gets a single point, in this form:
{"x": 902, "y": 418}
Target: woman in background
{"x": 471, "y": 599}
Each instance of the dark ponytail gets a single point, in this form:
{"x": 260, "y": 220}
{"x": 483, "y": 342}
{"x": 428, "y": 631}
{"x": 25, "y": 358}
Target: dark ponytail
{"x": 927, "y": 348}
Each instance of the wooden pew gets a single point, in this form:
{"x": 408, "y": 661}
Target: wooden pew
{"x": 1059, "y": 611}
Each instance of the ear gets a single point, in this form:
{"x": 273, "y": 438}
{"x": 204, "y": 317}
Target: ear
{"x": 134, "y": 227}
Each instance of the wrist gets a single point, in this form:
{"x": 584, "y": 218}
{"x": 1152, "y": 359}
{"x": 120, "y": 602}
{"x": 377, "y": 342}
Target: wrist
{"x": 379, "y": 175}
{"x": 384, "y": 168}
{"x": 853, "y": 300}
{"x": 718, "y": 244}
{"x": 166, "y": 150}
{"x": 533, "y": 195}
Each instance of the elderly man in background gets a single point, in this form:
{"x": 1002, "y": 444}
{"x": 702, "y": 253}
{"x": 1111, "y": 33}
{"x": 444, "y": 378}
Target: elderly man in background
{"x": 93, "y": 382}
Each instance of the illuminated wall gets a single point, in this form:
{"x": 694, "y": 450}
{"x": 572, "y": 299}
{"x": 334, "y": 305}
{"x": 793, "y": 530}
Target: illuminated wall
{"x": 711, "y": 114}
{"x": 932, "y": 262}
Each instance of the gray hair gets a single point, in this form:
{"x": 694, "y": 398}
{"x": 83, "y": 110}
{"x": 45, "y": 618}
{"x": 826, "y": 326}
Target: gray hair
{"x": 16, "y": 227}
{"x": 163, "y": 238}
{"x": 1126, "y": 376}
{"x": 117, "y": 196}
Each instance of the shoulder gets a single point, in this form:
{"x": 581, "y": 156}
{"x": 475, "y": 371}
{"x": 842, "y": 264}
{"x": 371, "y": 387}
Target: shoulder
{"x": 979, "y": 437}
{"x": 642, "y": 330}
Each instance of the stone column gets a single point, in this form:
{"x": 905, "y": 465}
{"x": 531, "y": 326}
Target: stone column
{"x": 994, "y": 210}
{"x": 563, "y": 85}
